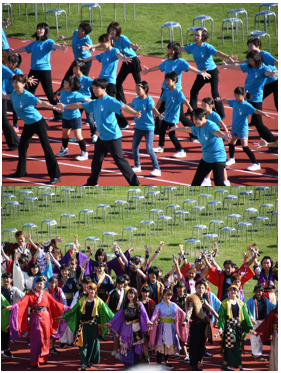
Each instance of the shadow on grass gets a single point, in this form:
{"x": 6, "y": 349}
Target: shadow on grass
{"x": 15, "y": 35}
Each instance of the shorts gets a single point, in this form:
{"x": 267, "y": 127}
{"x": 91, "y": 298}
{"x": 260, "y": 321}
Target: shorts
{"x": 239, "y": 136}
{"x": 74, "y": 124}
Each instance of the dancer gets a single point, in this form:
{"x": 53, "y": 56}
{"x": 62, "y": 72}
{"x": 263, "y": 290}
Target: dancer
{"x": 234, "y": 324}
{"x": 144, "y": 127}
{"x": 202, "y": 53}
{"x": 240, "y": 128}
{"x": 110, "y": 138}
{"x": 130, "y": 323}
{"x": 268, "y": 275}
{"x": 40, "y": 62}
{"x": 211, "y": 138}
{"x": 102, "y": 280}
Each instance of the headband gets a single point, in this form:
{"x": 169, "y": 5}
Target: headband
{"x": 233, "y": 286}
{"x": 91, "y": 284}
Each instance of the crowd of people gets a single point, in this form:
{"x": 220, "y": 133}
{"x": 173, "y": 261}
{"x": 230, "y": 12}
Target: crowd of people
{"x": 47, "y": 296}
{"x": 104, "y": 101}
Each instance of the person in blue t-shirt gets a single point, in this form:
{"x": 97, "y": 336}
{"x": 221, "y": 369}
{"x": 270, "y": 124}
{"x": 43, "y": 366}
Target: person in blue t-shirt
{"x": 80, "y": 39}
{"x": 109, "y": 60}
{"x": 240, "y": 128}
{"x": 13, "y": 63}
{"x": 110, "y": 136}
{"x": 144, "y": 127}
{"x": 257, "y": 74}
{"x": 173, "y": 99}
{"x": 211, "y": 138}
{"x": 178, "y": 65}
{"x": 24, "y": 104}
{"x": 5, "y": 44}
{"x": 40, "y": 62}
{"x": 71, "y": 119}
{"x": 202, "y": 53}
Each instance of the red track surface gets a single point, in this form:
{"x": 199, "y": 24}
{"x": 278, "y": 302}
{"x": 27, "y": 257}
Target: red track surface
{"x": 69, "y": 359}
{"x": 174, "y": 171}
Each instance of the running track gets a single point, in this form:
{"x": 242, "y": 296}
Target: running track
{"x": 174, "y": 171}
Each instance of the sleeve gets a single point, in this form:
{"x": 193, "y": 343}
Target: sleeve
{"x": 32, "y": 100}
{"x": 79, "y": 97}
{"x": 18, "y": 278}
{"x": 268, "y": 59}
{"x": 18, "y": 293}
{"x": 18, "y": 318}
{"x": 213, "y": 275}
{"x": 212, "y": 128}
{"x": 246, "y": 273}
{"x": 181, "y": 97}
{"x": 117, "y": 321}
{"x": 163, "y": 96}
{"x": 105, "y": 315}
{"x": 230, "y": 103}
{"x": 250, "y": 109}
{"x": 50, "y": 44}
{"x": 156, "y": 315}
{"x": 150, "y": 103}
{"x": 132, "y": 104}
{"x": 244, "y": 68}
{"x": 126, "y": 42}
{"x": 212, "y": 50}
{"x": 194, "y": 130}
{"x": 28, "y": 48}
{"x": 116, "y": 106}
{"x": 5, "y": 314}
{"x": 48, "y": 271}
{"x": 222, "y": 317}
{"x": 246, "y": 323}
{"x": 99, "y": 57}
{"x": 188, "y": 49}
{"x": 72, "y": 317}
{"x": 88, "y": 40}
{"x": 162, "y": 66}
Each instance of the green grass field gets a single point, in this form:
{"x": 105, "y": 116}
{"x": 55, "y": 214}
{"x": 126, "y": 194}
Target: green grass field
{"x": 145, "y": 30}
{"x": 267, "y": 244}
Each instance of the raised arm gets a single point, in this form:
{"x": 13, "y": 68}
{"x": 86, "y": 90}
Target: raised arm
{"x": 228, "y": 57}
{"x": 14, "y": 51}
{"x": 157, "y": 252}
{"x": 62, "y": 38}
{"x": 62, "y": 47}
{"x": 180, "y": 129}
{"x": 259, "y": 112}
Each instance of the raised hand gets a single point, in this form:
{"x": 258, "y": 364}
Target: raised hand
{"x": 64, "y": 47}
{"x": 60, "y": 38}
{"x": 127, "y": 60}
{"x": 32, "y": 81}
{"x": 145, "y": 71}
{"x": 59, "y": 239}
{"x": 137, "y": 47}
{"x": 205, "y": 75}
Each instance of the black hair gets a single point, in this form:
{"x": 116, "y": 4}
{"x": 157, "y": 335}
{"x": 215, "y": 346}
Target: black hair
{"x": 209, "y": 101}
{"x": 45, "y": 26}
{"x": 256, "y": 42}
{"x": 74, "y": 82}
{"x": 172, "y": 75}
{"x": 242, "y": 91}
{"x": 115, "y": 26}
{"x": 256, "y": 56}
{"x": 79, "y": 63}
{"x": 62, "y": 267}
{"x": 120, "y": 280}
{"x": 135, "y": 301}
{"x": 228, "y": 262}
{"x": 205, "y": 280}
{"x": 100, "y": 264}
{"x": 154, "y": 270}
{"x": 86, "y": 27}
{"x": 205, "y": 35}
{"x": 22, "y": 260}
{"x": 101, "y": 82}
{"x": 40, "y": 279}
{"x": 100, "y": 252}
{"x": 54, "y": 279}
{"x": 126, "y": 277}
{"x": 168, "y": 290}
{"x": 258, "y": 287}
{"x": 267, "y": 257}
{"x": 180, "y": 284}
{"x": 106, "y": 38}
{"x": 176, "y": 47}
{"x": 86, "y": 280}
{"x": 198, "y": 114}
{"x": 144, "y": 85}
{"x": 33, "y": 265}
{"x": 135, "y": 260}
{"x": 15, "y": 58}
{"x": 200, "y": 282}
{"x": 145, "y": 289}
{"x": 7, "y": 275}
{"x": 19, "y": 78}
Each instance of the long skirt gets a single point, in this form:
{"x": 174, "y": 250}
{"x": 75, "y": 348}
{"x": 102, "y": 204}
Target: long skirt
{"x": 233, "y": 355}
{"x": 90, "y": 352}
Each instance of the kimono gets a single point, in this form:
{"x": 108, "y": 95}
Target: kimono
{"x": 160, "y": 288}
{"x": 130, "y": 325}
{"x": 85, "y": 318}
{"x": 23, "y": 281}
{"x": 44, "y": 311}
{"x": 268, "y": 284}
{"x": 236, "y": 324}
{"x": 104, "y": 285}
{"x": 149, "y": 307}
{"x": 268, "y": 327}
{"x": 59, "y": 296}
{"x": 115, "y": 299}
{"x": 164, "y": 337}
{"x": 69, "y": 287}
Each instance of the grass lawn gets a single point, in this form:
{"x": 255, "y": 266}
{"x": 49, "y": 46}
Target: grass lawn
{"x": 267, "y": 243}
{"x": 145, "y": 30}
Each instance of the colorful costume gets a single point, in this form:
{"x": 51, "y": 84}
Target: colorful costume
{"x": 85, "y": 318}
{"x": 22, "y": 280}
{"x": 235, "y": 322}
{"x": 130, "y": 325}
{"x": 156, "y": 290}
{"x": 268, "y": 283}
{"x": 115, "y": 299}
{"x": 59, "y": 296}
{"x": 44, "y": 310}
{"x": 104, "y": 285}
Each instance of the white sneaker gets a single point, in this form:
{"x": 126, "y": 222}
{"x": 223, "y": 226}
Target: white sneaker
{"x": 177, "y": 355}
{"x": 136, "y": 169}
{"x": 254, "y": 167}
{"x": 180, "y": 154}
{"x": 155, "y": 172}
{"x": 206, "y": 182}
{"x": 83, "y": 156}
{"x": 226, "y": 183}
{"x": 94, "y": 138}
{"x": 159, "y": 149}
{"x": 117, "y": 356}
{"x": 63, "y": 152}
{"x": 230, "y": 161}
{"x": 73, "y": 139}
{"x": 113, "y": 353}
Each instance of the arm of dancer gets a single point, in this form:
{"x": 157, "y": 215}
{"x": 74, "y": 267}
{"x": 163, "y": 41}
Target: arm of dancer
{"x": 149, "y": 69}
{"x": 196, "y": 71}
{"x": 157, "y": 252}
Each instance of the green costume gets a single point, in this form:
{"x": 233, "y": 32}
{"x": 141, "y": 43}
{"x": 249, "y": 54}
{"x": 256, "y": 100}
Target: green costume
{"x": 5, "y": 314}
{"x": 235, "y": 330}
{"x": 87, "y": 338}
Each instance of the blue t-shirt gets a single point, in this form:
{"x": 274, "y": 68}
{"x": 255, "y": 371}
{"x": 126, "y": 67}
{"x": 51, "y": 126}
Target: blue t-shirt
{"x": 268, "y": 60}
{"x": 146, "y": 121}
{"x": 255, "y": 80}
{"x": 109, "y": 65}
{"x": 6, "y": 73}
{"x": 123, "y": 44}
{"x": 40, "y": 54}
{"x": 212, "y": 146}
{"x": 202, "y": 55}
{"x": 5, "y": 44}
{"x": 178, "y": 66}
{"x": 24, "y": 105}
{"x": 240, "y": 114}
{"x": 77, "y": 44}
{"x": 104, "y": 110}
{"x": 214, "y": 117}
{"x": 68, "y": 98}
{"x": 173, "y": 100}
{"x": 86, "y": 84}
{"x": 9, "y": 82}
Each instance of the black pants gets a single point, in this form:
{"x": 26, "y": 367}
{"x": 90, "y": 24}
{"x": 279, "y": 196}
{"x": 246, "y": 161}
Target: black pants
{"x": 159, "y": 358}
{"x": 197, "y": 343}
{"x": 271, "y": 88}
{"x": 5, "y": 339}
{"x": 121, "y": 120}
{"x": 204, "y": 168}
{"x": 45, "y": 77}
{"x": 39, "y": 128}
{"x": 9, "y": 132}
{"x": 256, "y": 121}
{"x": 164, "y": 126}
{"x": 132, "y": 68}
{"x": 114, "y": 147}
{"x": 199, "y": 83}
{"x": 70, "y": 72}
